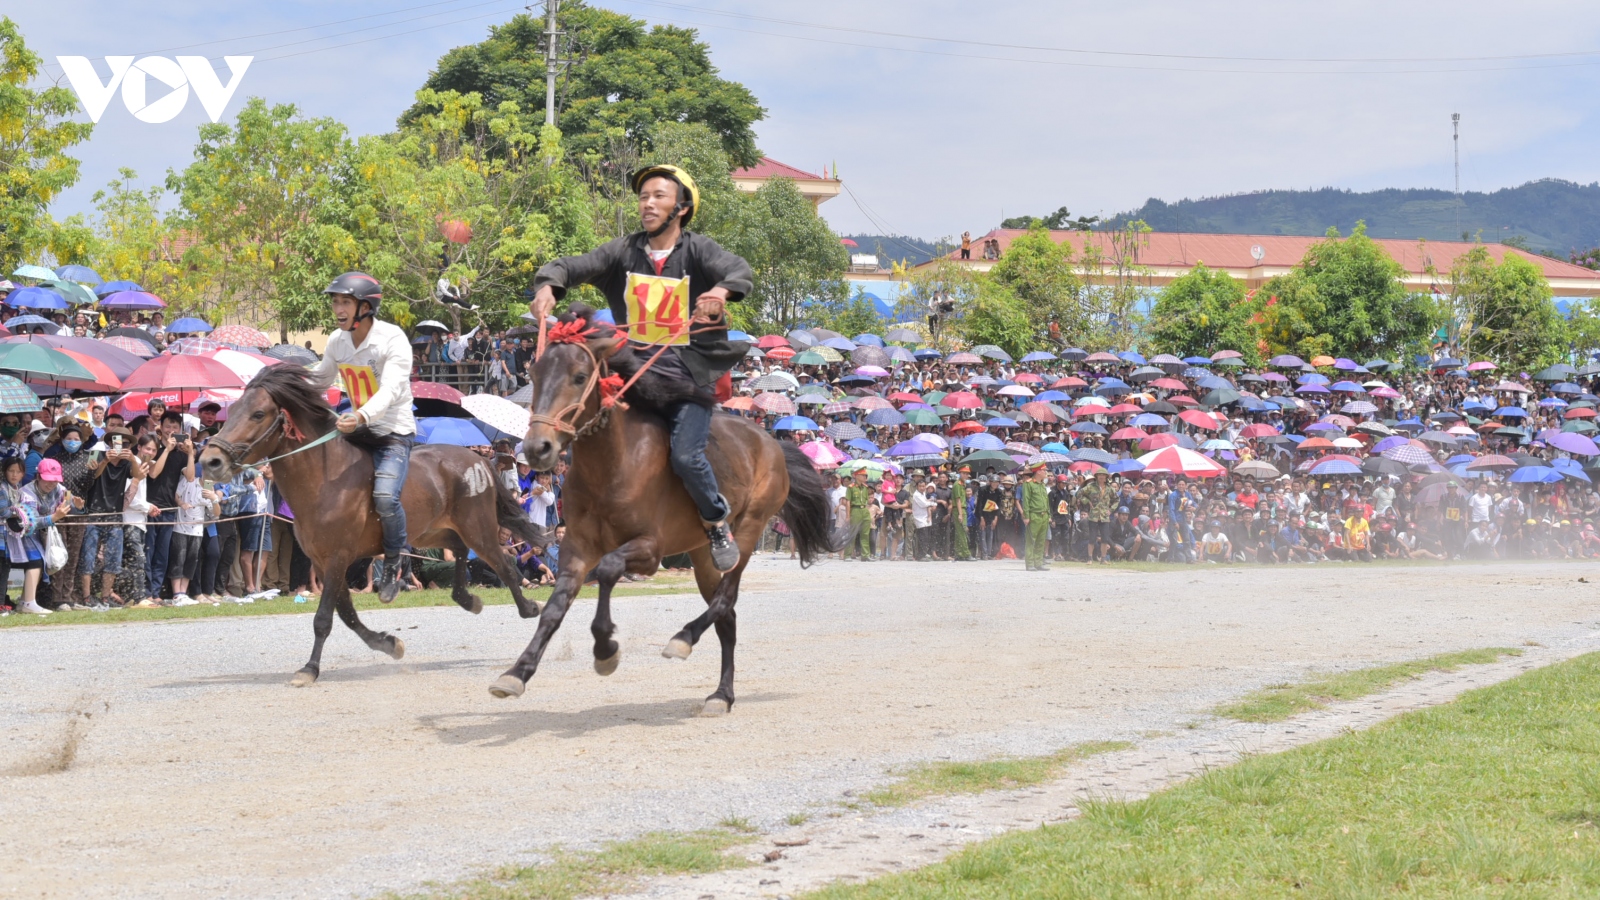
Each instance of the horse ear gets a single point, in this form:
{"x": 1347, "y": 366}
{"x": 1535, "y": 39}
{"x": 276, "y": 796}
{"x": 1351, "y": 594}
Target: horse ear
{"x": 607, "y": 346}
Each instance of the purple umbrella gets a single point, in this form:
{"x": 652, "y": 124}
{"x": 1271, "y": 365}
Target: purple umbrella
{"x": 1574, "y": 443}
{"x": 1311, "y": 389}
{"x": 132, "y": 300}
{"x": 1390, "y": 443}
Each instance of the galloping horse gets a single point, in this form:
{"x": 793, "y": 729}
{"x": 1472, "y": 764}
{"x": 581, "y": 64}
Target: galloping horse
{"x": 452, "y": 500}
{"x": 625, "y": 509}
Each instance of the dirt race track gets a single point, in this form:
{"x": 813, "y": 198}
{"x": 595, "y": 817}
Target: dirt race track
{"x": 198, "y": 773}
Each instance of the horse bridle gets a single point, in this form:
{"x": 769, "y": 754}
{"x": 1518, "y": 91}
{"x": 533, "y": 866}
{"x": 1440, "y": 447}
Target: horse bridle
{"x": 560, "y": 421}
{"x": 232, "y": 451}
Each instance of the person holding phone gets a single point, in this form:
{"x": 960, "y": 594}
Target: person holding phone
{"x": 175, "y": 452}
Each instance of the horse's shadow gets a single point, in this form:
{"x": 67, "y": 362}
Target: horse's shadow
{"x": 387, "y": 669}
{"x": 500, "y": 729}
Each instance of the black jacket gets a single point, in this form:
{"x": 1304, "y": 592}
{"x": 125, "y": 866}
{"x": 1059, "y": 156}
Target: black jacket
{"x": 707, "y": 265}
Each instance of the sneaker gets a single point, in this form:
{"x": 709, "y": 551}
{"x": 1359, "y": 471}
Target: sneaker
{"x": 388, "y": 580}
{"x": 146, "y": 603}
{"x": 724, "y": 552}
{"x": 34, "y": 608}
{"x": 230, "y": 598}
{"x": 184, "y": 600}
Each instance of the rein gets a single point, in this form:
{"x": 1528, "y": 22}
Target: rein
{"x": 281, "y": 426}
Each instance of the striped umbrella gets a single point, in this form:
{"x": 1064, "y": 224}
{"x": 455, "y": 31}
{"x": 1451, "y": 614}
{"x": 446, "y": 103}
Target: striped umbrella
{"x": 15, "y": 397}
{"x": 844, "y": 431}
{"x": 777, "y": 404}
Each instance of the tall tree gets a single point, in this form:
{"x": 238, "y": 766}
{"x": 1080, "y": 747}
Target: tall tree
{"x": 1505, "y": 312}
{"x": 1345, "y": 298}
{"x": 1204, "y": 311}
{"x": 994, "y": 314}
{"x": 1117, "y": 287}
{"x": 1040, "y": 273}
{"x": 256, "y": 201}
{"x": 626, "y": 76}
{"x": 796, "y": 258}
{"x": 35, "y": 132}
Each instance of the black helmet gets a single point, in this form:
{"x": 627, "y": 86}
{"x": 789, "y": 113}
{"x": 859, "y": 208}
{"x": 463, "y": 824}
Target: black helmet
{"x": 359, "y": 285}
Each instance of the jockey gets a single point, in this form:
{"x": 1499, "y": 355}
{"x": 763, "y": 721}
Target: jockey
{"x": 648, "y": 278}
{"x": 373, "y": 360}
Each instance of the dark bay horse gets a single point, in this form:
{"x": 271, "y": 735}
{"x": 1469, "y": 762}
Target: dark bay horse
{"x": 625, "y": 508}
{"x": 452, "y": 498}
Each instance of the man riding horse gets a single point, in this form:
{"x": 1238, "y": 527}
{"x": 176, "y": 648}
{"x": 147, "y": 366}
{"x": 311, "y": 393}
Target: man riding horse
{"x": 648, "y": 278}
{"x": 373, "y": 360}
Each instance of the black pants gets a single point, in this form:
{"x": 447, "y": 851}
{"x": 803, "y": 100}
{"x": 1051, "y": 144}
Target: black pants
{"x": 689, "y": 424}
{"x": 227, "y": 554}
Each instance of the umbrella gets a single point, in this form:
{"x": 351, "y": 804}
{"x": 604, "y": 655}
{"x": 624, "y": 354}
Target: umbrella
{"x": 1001, "y": 422}
{"x": 16, "y": 397}
{"x": 166, "y": 372}
{"x": 44, "y": 362}
{"x": 776, "y": 381}
{"x": 844, "y": 431}
{"x": 809, "y": 358}
{"x": 294, "y": 354}
{"x": 868, "y": 355}
{"x": 902, "y": 335}
{"x": 1335, "y": 467}
{"x": 914, "y": 447}
{"x": 36, "y": 298}
{"x": 111, "y": 287}
{"x": 1378, "y": 465}
{"x": 795, "y": 423}
{"x": 1286, "y": 361}
{"x": 964, "y": 359}
{"x": 74, "y": 293}
{"x": 1181, "y": 461}
{"x": 823, "y": 455}
{"x": 1576, "y": 444}
{"x": 1094, "y": 455}
{"x": 451, "y": 431}
{"x": 1535, "y": 475}
{"x": 982, "y": 440}
{"x": 777, "y": 404}
{"x": 923, "y": 417}
{"x": 881, "y": 417}
{"x": 23, "y": 322}
{"x": 34, "y": 272}
{"x": 1488, "y": 461}
{"x": 500, "y": 413}
{"x": 133, "y": 347}
{"x": 996, "y": 458}
{"x": 189, "y": 325}
{"x": 1256, "y": 468}
{"x": 241, "y": 336}
{"x": 81, "y": 274}
{"x": 424, "y": 325}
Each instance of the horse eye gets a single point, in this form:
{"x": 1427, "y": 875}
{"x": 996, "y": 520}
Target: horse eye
{"x": 258, "y": 414}
{"x": 579, "y": 379}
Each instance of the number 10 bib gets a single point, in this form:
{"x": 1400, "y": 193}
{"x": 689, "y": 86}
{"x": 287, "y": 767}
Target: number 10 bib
{"x": 658, "y": 309}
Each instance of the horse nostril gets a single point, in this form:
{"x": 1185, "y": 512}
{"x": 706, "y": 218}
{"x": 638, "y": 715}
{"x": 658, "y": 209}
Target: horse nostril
{"x": 545, "y": 447}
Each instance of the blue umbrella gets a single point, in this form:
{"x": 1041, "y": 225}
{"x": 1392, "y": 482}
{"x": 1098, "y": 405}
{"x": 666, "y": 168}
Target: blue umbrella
{"x": 1055, "y": 447}
{"x": 1566, "y": 387}
{"x": 881, "y": 417}
{"x": 1512, "y": 411}
{"x": 448, "y": 430}
{"x": 1212, "y": 382}
{"x": 1000, "y": 422}
{"x": 1197, "y": 360}
{"x": 1535, "y": 475}
{"x": 844, "y": 345}
{"x": 1131, "y": 356}
{"x": 81, "y": 274}
{"x": 111, "y": 287}
{"x": 1086, "y": 428}
{"x": 1052, "y": 396}
{"x": 914, "y": 447}
{"x": 1038, "y": 356}
{"x": 1349, "y": 387}
{"x": 36, "y": 298}
{"x": 1312, "y": 378}
{"x": 1125, "y": 465}
{"x": 188, "y": 325}
{"x": 862, "y": 444}
{"x": 39, "y": 273}
{"x": 23, "y": 321}
{"x": 794, "y": 423}
{"x": 869, "y": 339}
{"x": 1336, "y": 467}
{"x": 927, "y": 353}
{"x": 1143, "y": 420}
{"x": 1311, "y": 389}
{"x": 1092, "y": 454}
{"x": 983, "y": 440}
{"x": 735, "y": 335}
{"x": 1109, "y": 383}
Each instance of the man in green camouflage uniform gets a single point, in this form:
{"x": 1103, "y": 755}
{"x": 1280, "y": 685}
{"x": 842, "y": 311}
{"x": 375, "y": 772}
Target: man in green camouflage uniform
{"x": 1036, "y": 516}
{"x": 1094, "y": 501}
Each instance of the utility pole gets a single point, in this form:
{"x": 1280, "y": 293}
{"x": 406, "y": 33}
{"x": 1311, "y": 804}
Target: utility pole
{"x": 552, "y": 60}
{"x": 1455, "y": 128}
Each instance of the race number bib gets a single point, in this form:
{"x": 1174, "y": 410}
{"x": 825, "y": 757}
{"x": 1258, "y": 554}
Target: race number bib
{"x": 990, "y": 506}
{"x": 1062, "y": 508}
{"x": 360, "y": 382}
{"x": 658, "y": 309}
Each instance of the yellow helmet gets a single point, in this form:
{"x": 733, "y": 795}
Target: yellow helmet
{"x": 676, "y": 174}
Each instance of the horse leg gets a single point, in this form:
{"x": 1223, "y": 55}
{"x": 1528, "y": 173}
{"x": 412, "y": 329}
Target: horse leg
{"x": 636, "y": 555}
{"x": 381, "y": 641}
{"x": 487, "y": 545}
{"x": 463, "y": 597}
{"x": 570, "y": 579}
{"x": 721, "y": 702}
{"x": 322, "y": 623}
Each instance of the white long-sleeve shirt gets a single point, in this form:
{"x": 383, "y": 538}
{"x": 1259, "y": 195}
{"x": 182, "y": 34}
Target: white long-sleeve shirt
{"x": 376, "y": 376}
{"x": 136, "y": 504}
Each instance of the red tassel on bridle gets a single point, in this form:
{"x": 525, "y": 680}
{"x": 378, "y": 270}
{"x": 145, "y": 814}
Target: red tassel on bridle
{"x": 289, "y": 430}
{"x": 611, "y": 388}
{"x": 575, "y": 332}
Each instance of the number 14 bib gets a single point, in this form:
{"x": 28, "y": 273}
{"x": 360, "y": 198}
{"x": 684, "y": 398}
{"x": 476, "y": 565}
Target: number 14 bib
{"x": 658, "y": 309}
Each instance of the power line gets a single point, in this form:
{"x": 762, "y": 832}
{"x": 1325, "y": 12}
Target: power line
{"x": 1086, "y": 51}
{"x": 384, "y": 37}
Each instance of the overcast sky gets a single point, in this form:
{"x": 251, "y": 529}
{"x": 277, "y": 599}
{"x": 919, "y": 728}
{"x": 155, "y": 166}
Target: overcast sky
{"x": 934, "y": 137}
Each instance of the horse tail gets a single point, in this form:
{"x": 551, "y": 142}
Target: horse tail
{"x": 509, "y": 513}
{"x": 806, "y": 510}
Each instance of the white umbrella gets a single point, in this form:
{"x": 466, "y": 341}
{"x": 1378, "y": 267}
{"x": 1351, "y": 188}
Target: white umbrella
{"x": 497, "y": 411}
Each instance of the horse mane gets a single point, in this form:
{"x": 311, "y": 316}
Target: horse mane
{"x": 288, "y": 387}
{"x": 652, "y": 390}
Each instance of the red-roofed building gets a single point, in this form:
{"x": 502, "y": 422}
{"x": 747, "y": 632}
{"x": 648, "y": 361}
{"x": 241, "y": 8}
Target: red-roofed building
{"x": 817, "y": 188}
{"x": 1254, "y": 258}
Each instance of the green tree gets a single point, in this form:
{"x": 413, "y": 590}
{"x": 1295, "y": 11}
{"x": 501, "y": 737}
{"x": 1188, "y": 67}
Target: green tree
{"x": 857, "y": 315}
{"x": 257, "y": 201}
{"x": 1583, "y": 329}
{"x": 130, "y": 239}
{"x": 1059, "y": 220}
{"x": 508, "y": 209}
{"x": 1505, "y": 312}
{"x": 796, "y": 258}
{"x": 1116, "y": 283}
{"x": 626, "y": 77}
{"x": 1202, "y": 312}
{"x": 35, "y": 132}
{"x": 993, "y": 314}
{"x": 1345, "y": 298}
{"x": 1040, "y": 273}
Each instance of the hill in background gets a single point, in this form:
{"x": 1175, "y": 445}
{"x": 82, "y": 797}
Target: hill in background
{"x": 1550, "y": 215}
{"x": 892, "y": 248}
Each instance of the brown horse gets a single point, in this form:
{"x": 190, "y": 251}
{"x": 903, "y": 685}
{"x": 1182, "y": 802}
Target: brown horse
{"x": 625, "y": 508}
{"x": 452, "y": 498}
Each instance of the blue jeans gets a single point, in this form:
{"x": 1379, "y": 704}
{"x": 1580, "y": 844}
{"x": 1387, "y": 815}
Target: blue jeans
{"x": 101, "y": 537}
{"x": 690, "y": 427}
{"x": 391, "y": 458}
{"x": 157, "y": 543}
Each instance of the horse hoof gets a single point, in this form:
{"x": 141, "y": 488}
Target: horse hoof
{"x": 609, "y": 664}
{"x": 532, "y": 610}
{"x": 677, "y": 648}
{"x": 476, "y": 604}
{"x": 398, "y": 650}
{"x": 716, "y": 706}
{"x": 302, "y": 678}
{"x": 507, "y": 686}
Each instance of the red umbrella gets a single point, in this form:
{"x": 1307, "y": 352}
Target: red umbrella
{"x": 1180, "y": 461}
{"x": 1581, "y": 412}
{"x": 781, "y": 353}
{"x": 1070, "y": 381}
{"x": 430, "y": 390}
{"x": 1040, "y": 412}
{"x": 1027, "y": 378}
{"x": 1316, "y": 443}
{"x": 167, "y": 372}
{"x": 1159, "y": 441}
{"x": 743, "y": 403}
{"x": 1258, "y": 430}
{"x": 962, "y": 400}
{"x": 905, "y": 397}
{"x": 104, "y": 381}
{"x": 967, "y": 427}
{"x": 772, "y": 341}
{"x": 1199, "y": 419}
{"x": 1123, "y": 409}
{"x": 1129, "y": 433}
{"x": 777, "y": 404}
{"x": 1183, "y": 400}
{"x": 1169, "y": 384}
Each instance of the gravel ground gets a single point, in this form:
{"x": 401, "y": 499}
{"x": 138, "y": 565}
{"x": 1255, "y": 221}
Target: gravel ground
{"x": 196, "y": 772}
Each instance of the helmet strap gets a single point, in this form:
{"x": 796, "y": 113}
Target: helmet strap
{"x": 677, "y": 213}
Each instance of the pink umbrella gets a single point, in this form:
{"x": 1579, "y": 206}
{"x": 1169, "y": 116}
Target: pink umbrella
{"x": 1180, "y": 461}
{"x": 823, "y": 454}
{"x": 962, "y": 400}
{"x": 1387, "y": 393}
{"x": 872, "y": 371}
{"x": 777, "y": 404}
{"x": 166, "y": 372}
{"x": 1198, "y": 419}
{"x": 868, "y": 404}
{"x": 1481, "y": 365}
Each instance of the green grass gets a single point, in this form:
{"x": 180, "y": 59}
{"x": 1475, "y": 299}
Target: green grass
{"x": 1280, "y": 701}
{"x": 944, "y": 778}
{"x": 613, "y": 869}
{"x": 663, "y": 584}
{"x": 1494, "y": 795}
